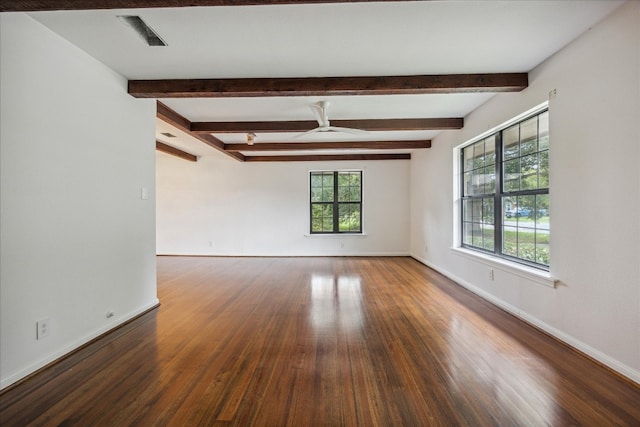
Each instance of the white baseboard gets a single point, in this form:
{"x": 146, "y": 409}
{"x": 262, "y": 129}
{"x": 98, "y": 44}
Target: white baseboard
{"x": 17, "y": 376}
{"x": 284, "y": 255}
{"x": 596, "y": 354}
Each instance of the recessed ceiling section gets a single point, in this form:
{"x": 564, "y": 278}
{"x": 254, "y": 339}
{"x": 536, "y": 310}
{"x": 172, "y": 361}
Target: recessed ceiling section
{"x": 341, "y": 107}
{"x": 292, "y": 138}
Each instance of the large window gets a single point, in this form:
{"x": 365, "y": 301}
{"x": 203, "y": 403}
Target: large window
{"x": 336, "y": 202}
{"x": 505, "y": 192}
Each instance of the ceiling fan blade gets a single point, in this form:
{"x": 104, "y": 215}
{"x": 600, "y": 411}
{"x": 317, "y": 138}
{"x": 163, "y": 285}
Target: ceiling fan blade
{"x": 309, "y": 132}
{"x": 320, "y": 111}
{"x": 352, "y": 131}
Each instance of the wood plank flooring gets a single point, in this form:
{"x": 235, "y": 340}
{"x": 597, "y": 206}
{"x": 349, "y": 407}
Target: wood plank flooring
{"x": 321, "y": 342}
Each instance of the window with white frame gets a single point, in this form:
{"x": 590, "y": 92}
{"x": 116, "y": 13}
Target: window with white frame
{"x": 504, "y": 192}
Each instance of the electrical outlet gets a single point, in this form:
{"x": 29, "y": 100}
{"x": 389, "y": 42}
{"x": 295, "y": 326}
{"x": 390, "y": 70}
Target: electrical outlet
{"x": 490, "y": 274}
{"x": 43, "y": 328}
{"x": 210, "y": 243}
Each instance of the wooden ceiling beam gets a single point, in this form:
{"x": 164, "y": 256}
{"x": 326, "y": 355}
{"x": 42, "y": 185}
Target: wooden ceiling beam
{"x": 329, "y": 86}
{"x": 161, "y": 146}
{"x": 173, "y": 118}
{"x": 327, "y": 157}
{"x": 48, "y": 5}
{"x": 339, "y": 145}
{"x": 444, "y": 123}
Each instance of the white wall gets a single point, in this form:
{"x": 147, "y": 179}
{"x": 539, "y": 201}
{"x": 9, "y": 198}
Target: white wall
{"x": 77, "y": 240}
{"x": 594, "y": 196}
{"x": 263, "y": 208}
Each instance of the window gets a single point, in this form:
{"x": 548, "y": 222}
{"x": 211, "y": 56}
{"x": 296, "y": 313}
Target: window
{"x": 505, "y": 192}
{"x": 336, "y": 202}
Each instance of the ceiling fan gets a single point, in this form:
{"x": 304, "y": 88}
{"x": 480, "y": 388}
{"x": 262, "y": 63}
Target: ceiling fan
{"x": 320, "y": 111}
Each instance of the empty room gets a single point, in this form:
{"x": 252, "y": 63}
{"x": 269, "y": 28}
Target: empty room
{"x": 336, "y": 213}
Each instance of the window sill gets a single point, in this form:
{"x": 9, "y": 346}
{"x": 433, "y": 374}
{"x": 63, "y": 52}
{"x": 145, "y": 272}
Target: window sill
{"x": 336, "y": 236}
{"x": 529, "y": 273}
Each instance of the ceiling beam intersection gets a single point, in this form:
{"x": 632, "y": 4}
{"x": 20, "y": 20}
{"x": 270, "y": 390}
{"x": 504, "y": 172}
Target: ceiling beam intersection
{"x": 173, "y": 118}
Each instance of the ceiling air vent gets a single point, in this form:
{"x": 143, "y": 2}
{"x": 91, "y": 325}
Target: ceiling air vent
{"x": 145, "y": 32}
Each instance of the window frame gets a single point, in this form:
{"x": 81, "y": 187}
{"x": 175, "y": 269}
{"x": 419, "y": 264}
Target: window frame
{"x": 499, "y": 193}
{"x": 336, "y": 203}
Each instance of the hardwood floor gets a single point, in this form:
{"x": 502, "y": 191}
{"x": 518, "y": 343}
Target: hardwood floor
{"x": 321, "y": 341}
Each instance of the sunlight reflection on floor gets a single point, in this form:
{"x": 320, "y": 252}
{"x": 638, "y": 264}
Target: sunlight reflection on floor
{"x": 336, "y": 303}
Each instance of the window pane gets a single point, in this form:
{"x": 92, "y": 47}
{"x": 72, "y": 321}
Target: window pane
{"x": 316, "y": 194}
{"x": 542, "y": 247}
{"x": 529, "y": 172}
{"x": 467, "y": 184}
{"x": 349, "y": 186}
{"x": 349, "y": 217}
{"x": 525, "y": 209}
{"x": 544, "y": 170}
{"x": 327, "y": 194}
{"x": 467, "y": 155}
{"x": 467, "y": 233}
{"x": 510, "y": 142}
{"x": 321, "y": 187}
{"x": 490, "y": 150}
{"x": 526, "y": 244}
{"x": 477, "y": 235}
{"x": 476, "y": 182}
{"x": 487, "y": 232}
{"x": 478, "y": 155}
{"x": 511, "y": 175}
{"x": 529, "y": 136}
{"x": 543, "y": 129}
{"x": 510, "y": 241}
{"x": 476, "y": 208}
{"x": 508, "y": 208}
{"x": 321, "y": 216}
{"x": 487, "y": 211}
{"x": 542, "y": 211}
{"x": 327, "y": 179}
{"x": 489, "y": 178}
{"x": 466, "y": 210}
{"x": 343, "y": 194}
{"x": 343, "y": 187}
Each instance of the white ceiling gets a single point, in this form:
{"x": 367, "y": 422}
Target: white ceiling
{"x": 324, "y": 40}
